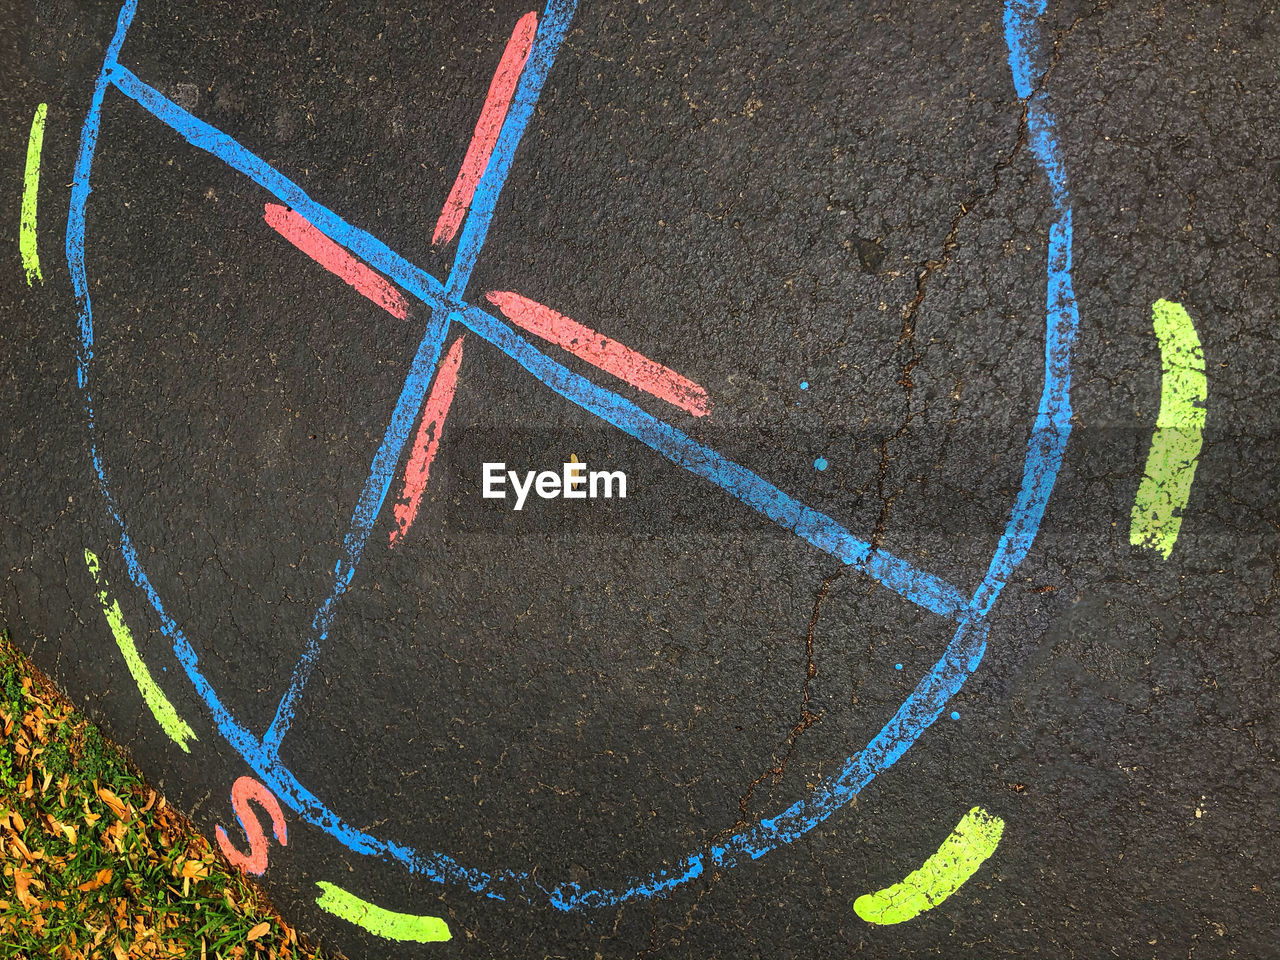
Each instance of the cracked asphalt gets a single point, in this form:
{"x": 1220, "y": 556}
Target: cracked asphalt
{"x": 756, "y": 196}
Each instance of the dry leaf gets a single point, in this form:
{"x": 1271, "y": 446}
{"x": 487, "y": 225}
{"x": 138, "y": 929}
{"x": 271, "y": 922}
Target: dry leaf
{"x": 56, "y": 827}
{"x": 115, "y": 835}
{"x": 102, "y": 876}
{"x": 22, "y": 882}
{"x": 258, "y": 931}
{"x": 115, "y": 803}
{"x": 195, "y": 869}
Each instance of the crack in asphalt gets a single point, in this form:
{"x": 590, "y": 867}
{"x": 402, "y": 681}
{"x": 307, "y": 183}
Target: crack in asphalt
{"x": 926, "y": 270}
{"x": 807, "y": 717}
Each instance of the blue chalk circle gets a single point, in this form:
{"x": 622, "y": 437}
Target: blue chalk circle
{"x": 820, "y": 463}
{"x": 954, "y": 715}
{"x": 897, "y": 666}
{"x": 804, "y": 384}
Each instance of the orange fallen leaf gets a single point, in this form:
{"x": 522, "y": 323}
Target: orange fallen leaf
{"x": 56, "y": 827}
{"x": 258, "y": 931}
{"x": 115, "y": 803}
{"x": 195, "y": 869}
{"x": 102, "y": 876}
{"x": 22, "y": 881}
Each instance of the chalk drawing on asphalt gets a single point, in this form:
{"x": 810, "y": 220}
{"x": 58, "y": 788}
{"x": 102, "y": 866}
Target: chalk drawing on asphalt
{"x": 958, "y": 858}
{"x": 415, "y": 928}
{"x": 1161, "y": 500}
{"x": 244, "y": 790}
{"x": 177, "y": 729}
{"x": 27, "y": 246}
{"x": 445, "y": 305}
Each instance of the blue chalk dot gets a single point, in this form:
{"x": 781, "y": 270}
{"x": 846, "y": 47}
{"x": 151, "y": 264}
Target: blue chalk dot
{"x": 897, "y": 666}
{"x": 954, "y": 715}
{"x": 804, "y": 384}
{"x": 820, "y": 463}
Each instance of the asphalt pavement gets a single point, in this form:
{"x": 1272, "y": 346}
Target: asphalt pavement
{"x": 937, "y": 344}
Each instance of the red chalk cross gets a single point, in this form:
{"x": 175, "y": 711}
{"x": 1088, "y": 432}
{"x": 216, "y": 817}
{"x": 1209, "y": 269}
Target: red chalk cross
{"x": 581, "y": 341}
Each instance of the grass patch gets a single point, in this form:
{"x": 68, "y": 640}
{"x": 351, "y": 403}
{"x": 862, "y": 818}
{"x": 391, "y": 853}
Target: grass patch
{"x": 96, "y": 864}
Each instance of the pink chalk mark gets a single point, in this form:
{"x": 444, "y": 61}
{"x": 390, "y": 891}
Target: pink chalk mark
{"x": 244, "y": 790}
{"x": 496, "y": 104}
{"x": 609, "y": 355}
{"x": 298, "y": 230}
{"x": 427, "y": 441}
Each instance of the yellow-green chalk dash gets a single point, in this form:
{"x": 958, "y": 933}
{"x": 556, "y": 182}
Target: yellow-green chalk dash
{"x": 971, "y": 842}
{"x": 154, "y": 697}
{"x": 31, "y": 187}
{"x": 380, "y": 922}
{"x": 1175, "y": 445}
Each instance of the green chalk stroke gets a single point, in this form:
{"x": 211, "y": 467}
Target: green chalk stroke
{"x": 971, "y": 842}
{"x": 1175, "y": 444}
{"x": 380, "y": 922}
{"x": 161, "y": 708}
{"x": 27, "y": 228}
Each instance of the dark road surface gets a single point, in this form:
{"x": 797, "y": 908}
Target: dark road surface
{"x": 858, "y": 296}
